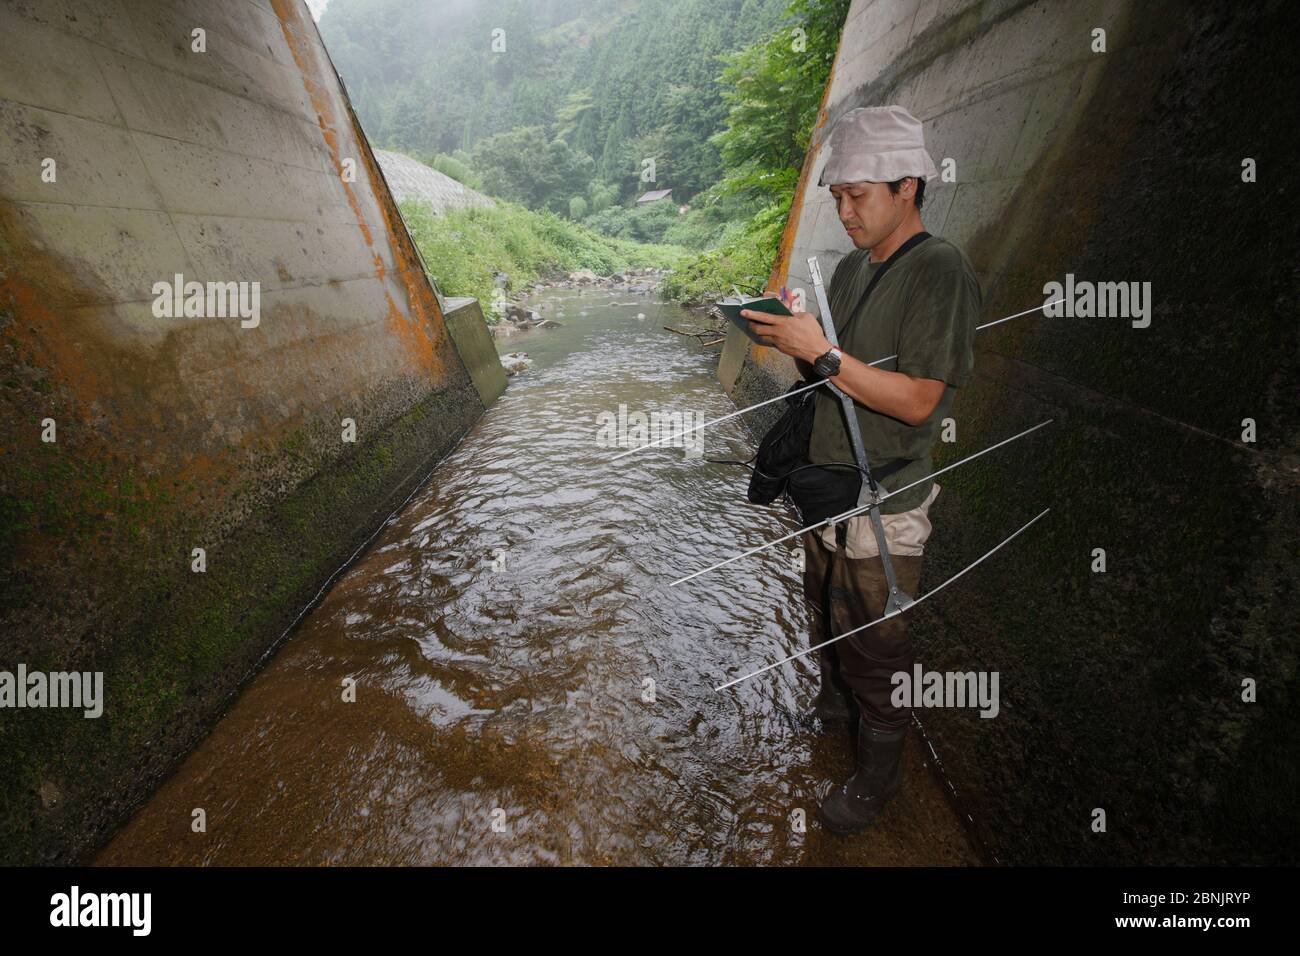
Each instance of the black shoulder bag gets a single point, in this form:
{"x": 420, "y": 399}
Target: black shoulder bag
{"x": 818, "y": 491}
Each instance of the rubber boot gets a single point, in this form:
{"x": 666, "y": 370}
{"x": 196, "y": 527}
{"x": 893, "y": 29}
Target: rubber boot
{"x": 831, "y": 705}
{"x": 853, "y": 806}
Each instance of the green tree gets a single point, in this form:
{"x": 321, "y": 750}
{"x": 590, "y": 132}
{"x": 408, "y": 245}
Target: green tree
{"x": 522, "y": 166}
{"x": 773, "y": 92}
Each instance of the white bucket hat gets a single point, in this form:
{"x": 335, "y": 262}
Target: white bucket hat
{"x": 878, "y": 144}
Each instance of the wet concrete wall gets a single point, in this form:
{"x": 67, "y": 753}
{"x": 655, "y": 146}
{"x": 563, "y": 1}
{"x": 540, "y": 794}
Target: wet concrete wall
{"x": 1120, "y": 691}
{"x": 134, "y": 150}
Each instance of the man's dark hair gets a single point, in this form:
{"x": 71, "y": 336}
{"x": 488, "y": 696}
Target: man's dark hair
{"x": 920, "y": 189}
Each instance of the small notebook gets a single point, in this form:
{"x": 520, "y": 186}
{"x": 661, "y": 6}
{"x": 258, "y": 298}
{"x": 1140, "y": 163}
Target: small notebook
{"x": 731, "y": 307}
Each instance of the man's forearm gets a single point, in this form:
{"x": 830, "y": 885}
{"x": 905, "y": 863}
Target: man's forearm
{"x": 910, "y": 400}
{"x": 800, "y": 336}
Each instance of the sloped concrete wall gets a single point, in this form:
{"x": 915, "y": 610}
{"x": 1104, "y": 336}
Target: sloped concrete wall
{"x": 410, "y": 179}
{"x": 1122, "y": 690}
{"x": 469, "y": 331}
{"x": 240, "y": 162}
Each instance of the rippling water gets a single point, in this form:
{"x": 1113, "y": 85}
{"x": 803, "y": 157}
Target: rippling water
{"x": 528, "y": 687}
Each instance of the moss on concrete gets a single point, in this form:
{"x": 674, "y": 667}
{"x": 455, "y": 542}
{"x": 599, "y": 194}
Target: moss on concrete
{"x": 1123, "y": 690}
{"x": 196, "y": 637}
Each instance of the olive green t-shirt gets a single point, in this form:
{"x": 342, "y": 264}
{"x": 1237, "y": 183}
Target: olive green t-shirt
{"x": 925, "y": 311}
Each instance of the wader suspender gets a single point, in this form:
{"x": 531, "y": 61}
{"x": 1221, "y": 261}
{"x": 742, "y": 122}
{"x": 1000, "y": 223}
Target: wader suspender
{"x": 869, "y": 494}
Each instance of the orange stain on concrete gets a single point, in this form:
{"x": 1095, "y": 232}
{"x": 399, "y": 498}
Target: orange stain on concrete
{"x": 420, "y": 327}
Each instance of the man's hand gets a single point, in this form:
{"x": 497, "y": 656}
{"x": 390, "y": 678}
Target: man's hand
{"x": 800, "y": 335}
{"x": 910, "y": 400}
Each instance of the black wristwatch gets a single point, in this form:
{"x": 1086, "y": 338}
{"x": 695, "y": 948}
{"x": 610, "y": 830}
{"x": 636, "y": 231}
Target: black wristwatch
{"x": 828, "y": 365}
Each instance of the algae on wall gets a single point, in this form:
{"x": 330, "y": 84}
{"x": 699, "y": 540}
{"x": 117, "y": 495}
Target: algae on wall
{"x": 1121, "y": 690}
{"x": 130, "y": 439}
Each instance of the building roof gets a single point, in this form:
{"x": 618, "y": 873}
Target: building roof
{"x": 655, "y": 194}
{"x": 411, "y": 179}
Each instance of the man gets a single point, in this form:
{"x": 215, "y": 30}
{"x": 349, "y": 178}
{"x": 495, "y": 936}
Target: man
{"x": 924, "y": 309}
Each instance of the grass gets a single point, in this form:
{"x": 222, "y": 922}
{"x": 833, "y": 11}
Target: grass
{"x": 744, "y": 257}
{"x": 463, "y": 248}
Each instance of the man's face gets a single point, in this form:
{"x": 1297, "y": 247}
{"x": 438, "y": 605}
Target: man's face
{"x": 869, "y": 211}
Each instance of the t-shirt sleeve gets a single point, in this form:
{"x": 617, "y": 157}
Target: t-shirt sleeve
{"x": 937, "y": 337}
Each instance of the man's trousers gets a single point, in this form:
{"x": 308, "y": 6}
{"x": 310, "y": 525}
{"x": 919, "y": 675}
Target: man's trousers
{"x": 854, "y": 591}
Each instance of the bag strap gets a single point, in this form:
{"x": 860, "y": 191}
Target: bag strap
{"x": 855, "y": 438}
{"x": 879, "y": 274}
{"x": 881, "y": 472}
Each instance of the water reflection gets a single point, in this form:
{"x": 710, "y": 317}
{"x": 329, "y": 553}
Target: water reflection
{"x": 527, "y": 689}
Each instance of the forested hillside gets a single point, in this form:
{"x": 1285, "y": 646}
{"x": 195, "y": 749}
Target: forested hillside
{"x": 579, "y": 106}
{"x": 614, "y": 81}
